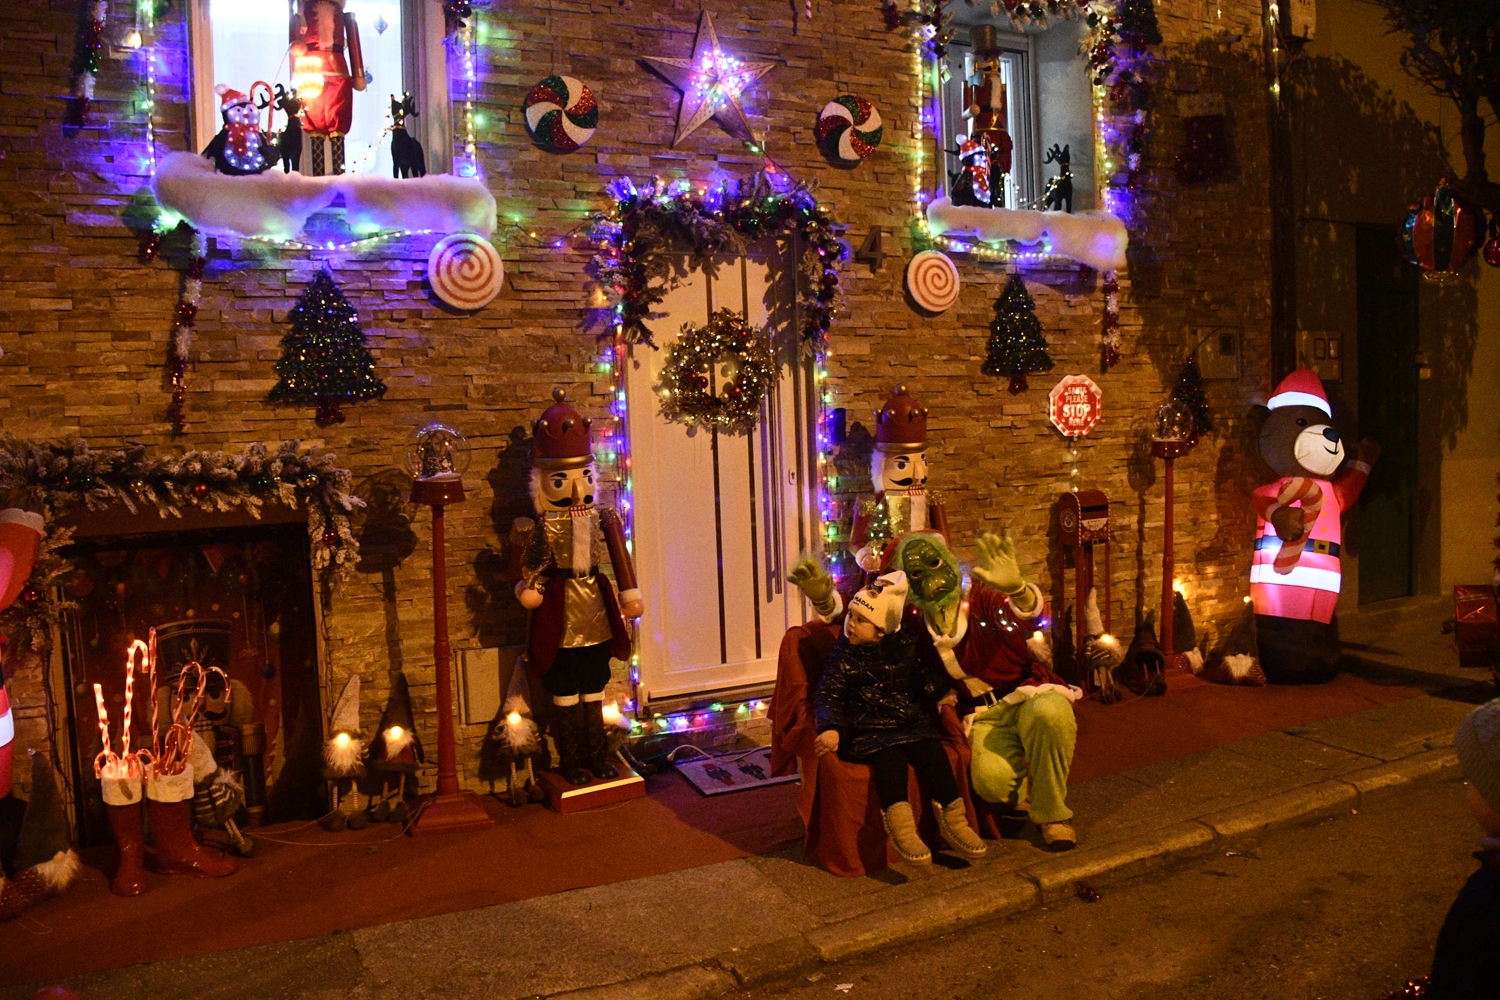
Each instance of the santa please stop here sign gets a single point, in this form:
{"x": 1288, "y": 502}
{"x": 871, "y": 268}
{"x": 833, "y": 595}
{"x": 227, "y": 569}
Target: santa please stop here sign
{"x": 1075, "y": 405}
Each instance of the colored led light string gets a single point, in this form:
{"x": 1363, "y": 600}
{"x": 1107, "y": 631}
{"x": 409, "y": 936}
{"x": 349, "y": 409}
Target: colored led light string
{"x": 148, "y": 53}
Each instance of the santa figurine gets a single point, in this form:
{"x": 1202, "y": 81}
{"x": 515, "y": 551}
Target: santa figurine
{"x": 327, "y": 67}
{"x": 1295, "y": 576}
{"x": 577, "y": 620}
{"x": 984, "y": 101}
{"x": 971, "y": 184}
{"x": 898, "y": 473}
{"x": 240, "y": 147}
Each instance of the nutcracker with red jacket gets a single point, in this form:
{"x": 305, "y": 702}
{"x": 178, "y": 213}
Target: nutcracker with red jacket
{"x": 327, "y": 67}
{"x": 1295, "y": 576}
{"x": 898, "y": 472}
{"x": 577, "y": 620}
{"x": 984, "y": 100}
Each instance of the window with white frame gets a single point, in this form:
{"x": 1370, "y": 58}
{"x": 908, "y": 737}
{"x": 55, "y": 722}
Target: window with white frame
{"x": 238, "y": 43}
{"x": 1048, "y": 101}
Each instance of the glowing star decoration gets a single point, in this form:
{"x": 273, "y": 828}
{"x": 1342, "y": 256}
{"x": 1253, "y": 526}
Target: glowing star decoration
{"x": 711, "y": 83}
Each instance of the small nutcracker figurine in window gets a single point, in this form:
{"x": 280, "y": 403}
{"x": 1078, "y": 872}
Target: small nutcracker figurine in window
{"x": 327, "y": 67}
{"x": 985, "y": 101}
{"x": 898, "y": 473}
{"x": 578, "y": 620}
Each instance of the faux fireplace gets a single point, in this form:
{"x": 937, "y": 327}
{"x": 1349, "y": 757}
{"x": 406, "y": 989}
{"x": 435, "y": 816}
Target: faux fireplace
{"x": 238, "y": 596}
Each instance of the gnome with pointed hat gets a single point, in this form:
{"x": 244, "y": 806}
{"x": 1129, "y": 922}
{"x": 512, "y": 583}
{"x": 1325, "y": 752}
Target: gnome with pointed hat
{"x": 344, "y": 762}
{"x": 396, "y": 753}
{"x": 45, "y": 863}
{"x": 1295, "y": 575}
{"x": 898, "y": 473}
{"x": 577, "y": 619}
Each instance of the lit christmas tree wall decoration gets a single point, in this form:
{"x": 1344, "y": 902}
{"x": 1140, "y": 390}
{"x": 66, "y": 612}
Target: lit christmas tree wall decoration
{"x": 324, "y": 360}
{"x": 1189, "y": 392}
{"x": 1016, "y": 346}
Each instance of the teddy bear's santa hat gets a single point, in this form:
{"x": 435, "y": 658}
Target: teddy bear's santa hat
{"x": 1301, "y": 388}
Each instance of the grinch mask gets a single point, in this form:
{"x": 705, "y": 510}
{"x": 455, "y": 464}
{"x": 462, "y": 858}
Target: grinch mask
{"x": 931, "y": 572}
{"x": 894, "y": 472}
{"x": 565, "y": 489}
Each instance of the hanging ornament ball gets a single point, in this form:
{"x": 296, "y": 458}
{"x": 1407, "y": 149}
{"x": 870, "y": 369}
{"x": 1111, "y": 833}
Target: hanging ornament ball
{"x": 80, "y": 584}
{"x": 1492, "y": 251}
{"x": 309, "y": 481}
{"x": 263, "y": 483}
{"x": 1440, "y": 234}
{"x": 31, "y": 595}
{"x": 465, "y": 271}
{"x": 122, "y": 590}
{"x": 849, "y": 128}
{"x": 330, "y": 538}
{"x": 200, "y": 491}
{"x": 139, "y": 485}
{"x": 932, "y": 280}
{"x": 561, "y": 114}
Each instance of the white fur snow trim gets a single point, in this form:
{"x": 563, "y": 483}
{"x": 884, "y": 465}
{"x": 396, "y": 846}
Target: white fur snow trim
{"x": 1194, "y": 658}
{"x": 1036, "y": 608}
{"x": 838, "y": 608}
{"x": 277, "y": 204}
{"x": 170, "y": 787}
{"x": 1239, "y": 665}
{"x": 121, "y": 791}
{"x": 1097, "y": 239}
{"x": 29, "y": 519}
{"x": 60, "y": 872}
{"x": 633, "y": 594}
{"x": 1040, "y": 647}
{"x": 344, "y": 758}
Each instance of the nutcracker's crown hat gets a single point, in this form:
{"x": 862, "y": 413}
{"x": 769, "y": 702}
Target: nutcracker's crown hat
{"x": 560, "y": 438}
{"x": 1301, "y": 388}
{"x": 901, "y": 424}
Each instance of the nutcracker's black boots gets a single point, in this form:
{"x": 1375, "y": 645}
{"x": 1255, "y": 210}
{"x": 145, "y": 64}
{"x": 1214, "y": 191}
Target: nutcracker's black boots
{"x": 597, "y": 737}
{"x": 572, "y": 748}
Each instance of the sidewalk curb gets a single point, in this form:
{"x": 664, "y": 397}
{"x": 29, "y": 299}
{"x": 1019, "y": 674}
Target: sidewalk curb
{"x": 1005, "y": 894}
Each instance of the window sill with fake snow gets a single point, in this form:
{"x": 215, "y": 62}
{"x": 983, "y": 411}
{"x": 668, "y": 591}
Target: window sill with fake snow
{"x": 276, "y": 205}
{"x": 1097, "y": 239}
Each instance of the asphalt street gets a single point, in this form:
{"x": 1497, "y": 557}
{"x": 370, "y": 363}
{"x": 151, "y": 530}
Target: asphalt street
{"x": 1347, "y": 907}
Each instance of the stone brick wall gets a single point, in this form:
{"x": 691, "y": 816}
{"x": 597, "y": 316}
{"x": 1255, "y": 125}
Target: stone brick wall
{"x": 84, "y": 324}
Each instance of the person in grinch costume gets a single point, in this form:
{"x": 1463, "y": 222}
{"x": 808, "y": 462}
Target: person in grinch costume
{"x": 577, "y": 621}
{"x": 986, "y": 638}
{"x": 898, "y": 472}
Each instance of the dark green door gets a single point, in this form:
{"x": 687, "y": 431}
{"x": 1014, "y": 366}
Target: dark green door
{"x": 1387, "y": 287}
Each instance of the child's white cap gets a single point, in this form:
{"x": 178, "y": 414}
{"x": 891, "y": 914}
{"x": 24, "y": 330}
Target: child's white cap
{"x": 883, "y": 603}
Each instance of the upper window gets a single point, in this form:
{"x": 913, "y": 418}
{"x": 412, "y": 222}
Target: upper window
{"x": 1047, "y": 102}
{"x": 238, "y": 43}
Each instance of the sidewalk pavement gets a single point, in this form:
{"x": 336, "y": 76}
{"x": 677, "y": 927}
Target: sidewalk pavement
{"x": 703, "y": 931}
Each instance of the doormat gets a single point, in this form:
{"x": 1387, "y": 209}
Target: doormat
{"x": 736, "y": 771}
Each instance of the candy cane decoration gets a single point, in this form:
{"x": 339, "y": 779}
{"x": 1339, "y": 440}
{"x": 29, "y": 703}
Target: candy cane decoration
{"x": 125, "y": 763}
{"x": 1311, "y": 494}
{"x": 179, "y": 740}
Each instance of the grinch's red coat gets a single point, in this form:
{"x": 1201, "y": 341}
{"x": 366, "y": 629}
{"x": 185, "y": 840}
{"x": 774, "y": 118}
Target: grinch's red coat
{"x": 993, "y": 646}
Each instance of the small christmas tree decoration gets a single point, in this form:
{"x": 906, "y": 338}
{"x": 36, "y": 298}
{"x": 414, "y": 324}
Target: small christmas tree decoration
{"x": 1189, "y": 393}
{"x": 324, "y": 359}
{"x": 1016, "y": 346}
{"x": 1138, "y": 22}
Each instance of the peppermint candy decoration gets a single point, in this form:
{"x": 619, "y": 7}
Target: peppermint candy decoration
{"x": 561, "y": 114}
{"x": 465, "y": 271}
{"x": 932, "y": 280}
{"x": 849, "y": 128}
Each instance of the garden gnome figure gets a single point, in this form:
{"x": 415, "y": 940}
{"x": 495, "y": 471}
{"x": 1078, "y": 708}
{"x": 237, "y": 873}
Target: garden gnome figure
{"x": 577, "y": 621}
{"x": 327, "y": 67}
{"x": 396, "y": 753}
{"x": 344, "y": 761}
{"x": 898, "y": 473}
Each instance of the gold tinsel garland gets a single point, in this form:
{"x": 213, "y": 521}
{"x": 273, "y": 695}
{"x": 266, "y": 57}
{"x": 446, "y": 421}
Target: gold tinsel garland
{"x": 717, "y": 375}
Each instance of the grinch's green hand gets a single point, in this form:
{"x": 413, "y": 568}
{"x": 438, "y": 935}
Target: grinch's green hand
{"x": 812, "y": 579}
{"x": 1000, "y": 563}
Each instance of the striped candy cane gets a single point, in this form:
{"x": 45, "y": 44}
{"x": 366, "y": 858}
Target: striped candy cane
{"x": 1311, "y": 494}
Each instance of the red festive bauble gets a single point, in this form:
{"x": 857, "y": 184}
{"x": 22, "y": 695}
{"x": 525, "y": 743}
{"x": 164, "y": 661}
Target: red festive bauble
{"x": 80, "y": 584}
{"x": 1491, "y": 252}
{"x": 330, "y": 537}
{"x": 31, "y": 595}
{"x": 1440, "y": 234}
{"x": 200, "y": 491}
{"x": 122, "y": 590}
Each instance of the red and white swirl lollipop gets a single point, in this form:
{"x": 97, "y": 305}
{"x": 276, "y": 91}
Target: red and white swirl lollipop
{"x": 932, "y": 280}
{"x": 465, "y": 271}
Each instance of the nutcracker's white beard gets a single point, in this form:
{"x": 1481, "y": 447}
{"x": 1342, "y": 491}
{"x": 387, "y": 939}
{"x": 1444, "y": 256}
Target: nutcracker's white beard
{"x": 581, "y": 519}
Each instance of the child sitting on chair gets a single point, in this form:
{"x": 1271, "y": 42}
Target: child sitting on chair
{"x": 875, "y": 704}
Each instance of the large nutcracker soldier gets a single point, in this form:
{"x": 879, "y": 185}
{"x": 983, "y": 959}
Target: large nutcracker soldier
{"x": 985, "y": 103}
{"x": 327, "y": 65}
{"x": 577, "y": 621}
{"x": 898, "y": 472}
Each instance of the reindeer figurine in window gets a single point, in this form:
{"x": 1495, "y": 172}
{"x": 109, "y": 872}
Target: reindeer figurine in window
{"x": 407, "y": 159}
{"x": 1060, "y": 188}
{"x": 289, "y": 139}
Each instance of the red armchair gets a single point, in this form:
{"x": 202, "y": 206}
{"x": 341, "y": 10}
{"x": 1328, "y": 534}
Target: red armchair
{"x": 845, "y": 833}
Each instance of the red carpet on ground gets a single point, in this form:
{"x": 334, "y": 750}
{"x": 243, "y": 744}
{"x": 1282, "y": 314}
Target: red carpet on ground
{"x": 328, "y": 883}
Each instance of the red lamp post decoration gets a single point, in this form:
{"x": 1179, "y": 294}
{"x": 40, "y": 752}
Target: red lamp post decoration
{"x": 1173, "y": 440}
{"x": 437, "y": 463}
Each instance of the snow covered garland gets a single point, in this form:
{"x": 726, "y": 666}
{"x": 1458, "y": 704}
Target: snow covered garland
{"x": 639, "y": 235}
{"x": 87, "y": 55}
{"x": 57, "y": 478}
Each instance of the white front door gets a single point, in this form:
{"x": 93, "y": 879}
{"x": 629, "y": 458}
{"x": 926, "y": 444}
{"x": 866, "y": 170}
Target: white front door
{"x": 720, "y": 518}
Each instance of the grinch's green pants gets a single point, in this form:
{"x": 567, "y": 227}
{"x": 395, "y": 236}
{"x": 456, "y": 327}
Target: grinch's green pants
{"x": 1034, "y": 740}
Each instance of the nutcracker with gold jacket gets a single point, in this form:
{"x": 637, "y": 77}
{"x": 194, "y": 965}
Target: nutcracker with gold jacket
{"x": 898, "y": 472}
{"x": 577, "y": 619}
{"x": 327, "y": 67}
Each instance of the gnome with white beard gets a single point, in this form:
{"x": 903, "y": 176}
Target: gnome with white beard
{"x": 577, "y": 620}
{"x": 344, "y": 763}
